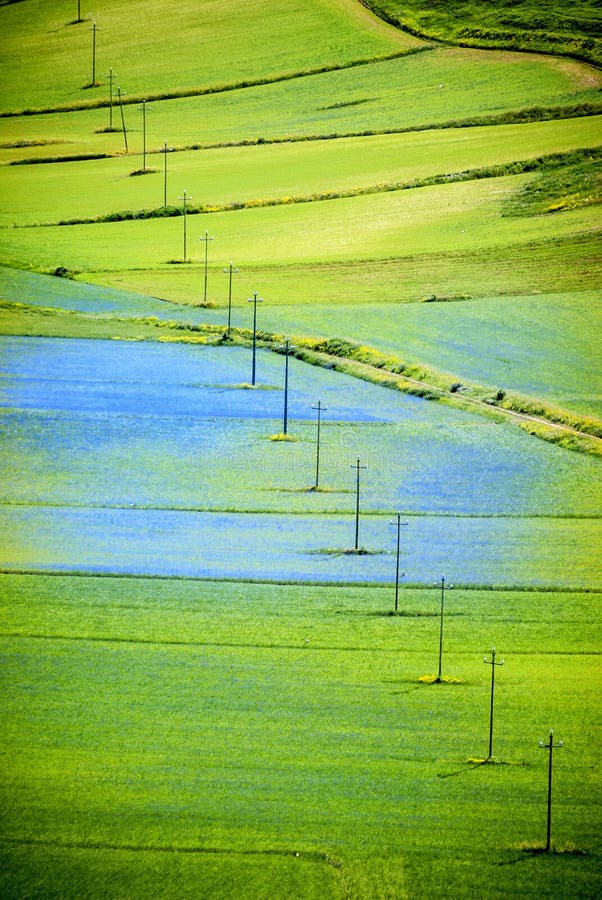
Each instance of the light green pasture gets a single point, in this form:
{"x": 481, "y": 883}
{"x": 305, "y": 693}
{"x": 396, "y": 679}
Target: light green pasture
{"x": 50, "y": 193}
{"x": 222, "y": 42}
{"x": 461, "y": 217}
{"x": 416, "y": 91}
{"x": 569, "y": 264}
{"x": 153, "y": 722}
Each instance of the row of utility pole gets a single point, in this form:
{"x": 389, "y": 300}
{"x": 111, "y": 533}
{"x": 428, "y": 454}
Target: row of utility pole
{"x": 255, "y": 299}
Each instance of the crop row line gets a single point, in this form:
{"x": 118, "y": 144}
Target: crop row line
{"x": 305, "y": 647}
{"x": 308, "y": 855}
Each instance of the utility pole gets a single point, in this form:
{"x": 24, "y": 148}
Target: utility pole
{"x": 551, "y": 746}
{"x": 165, "y": 150}
{"x": 144, "y": 107}
{"x": 399, "y": 524}
{"x": 287, "y": 348}
{"x": 254, "y": 300}
{"x": 125, "y": 137}
{"x": 449, "y": 587}
{"x": 110, "y": 76}
{"x": 206, "y": 239}
{"x": 184, "y": 198}
{"x": 93, "y": 30}
{"x": 231, "y": 270}
{"x": 320, "y": 409}
{"x": 491, "y": 662}
{"x": 357, "y": 468}
{"x": 79, "y": 11}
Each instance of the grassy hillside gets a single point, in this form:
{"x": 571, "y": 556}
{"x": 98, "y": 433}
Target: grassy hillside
{"x": 214, "y": 44}
{"x": 570, "y": 28}
{"x": 313, "y": 170}
{"x": 423, "y": 90}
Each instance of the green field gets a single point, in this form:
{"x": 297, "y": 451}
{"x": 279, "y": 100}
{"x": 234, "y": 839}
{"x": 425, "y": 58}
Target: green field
{"x": 207, "y": 692}
{"x": 304, "y": 170}
{"x": 237, "y": 43}
{"x": 263, "y": 740}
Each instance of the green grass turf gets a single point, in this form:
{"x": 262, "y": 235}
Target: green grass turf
{"x": 53, "y": 193}
{"x": 238, "y": 42}
{"x": 251, "y": 719}
{"x": 463, "y": 217}
{"x": 418, "y": 91}
{"x": 546, "y": 266}
{"x": 552, "y": 26}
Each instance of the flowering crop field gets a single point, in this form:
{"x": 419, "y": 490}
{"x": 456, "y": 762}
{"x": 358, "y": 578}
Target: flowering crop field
{"x": 156, "y": 459}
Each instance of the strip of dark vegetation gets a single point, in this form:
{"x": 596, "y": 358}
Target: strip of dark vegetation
{"x": 213, "y": 89}
{"x": 540, "y": 163}
{"x": 38, "y": 142}
{"x": 75, "y": 157}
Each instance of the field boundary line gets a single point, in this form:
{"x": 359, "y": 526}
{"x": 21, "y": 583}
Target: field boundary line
{"x": 300, "y": 645}
{"x": 497, "y": 44}
{"x": 299, "y": 582}
{"x": 343, "y": 513}
{"x": 525, "y": 116}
